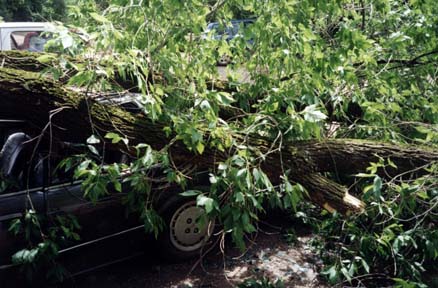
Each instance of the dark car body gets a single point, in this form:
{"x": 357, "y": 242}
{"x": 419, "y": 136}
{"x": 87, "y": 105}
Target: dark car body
{"x": 58, "y": 196}
{"x": 53, "y": 193}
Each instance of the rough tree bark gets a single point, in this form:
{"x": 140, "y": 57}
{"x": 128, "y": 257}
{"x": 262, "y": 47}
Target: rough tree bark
{"x": 74, "y": 117}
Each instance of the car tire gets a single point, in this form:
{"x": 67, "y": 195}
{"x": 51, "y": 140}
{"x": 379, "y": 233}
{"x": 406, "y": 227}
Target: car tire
{"x": 183, "y": 237}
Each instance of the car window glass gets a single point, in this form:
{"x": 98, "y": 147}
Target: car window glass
{"x": 29, "y": 40}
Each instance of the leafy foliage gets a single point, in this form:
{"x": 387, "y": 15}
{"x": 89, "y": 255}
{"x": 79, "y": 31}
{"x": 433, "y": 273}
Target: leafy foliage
{"x": 43, "y": 243}
{"x": 394, "y": 241}
{"x": 368, "y": 65}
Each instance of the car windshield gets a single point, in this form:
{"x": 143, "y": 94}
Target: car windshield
{"x": 29, "y": 40}
{"x": 218, "y": 30}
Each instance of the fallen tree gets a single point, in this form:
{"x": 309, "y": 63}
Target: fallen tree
{"x": 73, "y": 116}
{"x": 331, "y": 74}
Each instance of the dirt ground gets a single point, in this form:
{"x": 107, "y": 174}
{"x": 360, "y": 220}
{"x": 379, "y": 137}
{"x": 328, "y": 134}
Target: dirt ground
{"x": 270, "y": 254}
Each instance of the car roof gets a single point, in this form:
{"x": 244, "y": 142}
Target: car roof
{"x": 23, "y": 24}
{"x": 235, "y": 21}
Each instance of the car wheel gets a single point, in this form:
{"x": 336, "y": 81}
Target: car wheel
{"x": 186, "y": 235}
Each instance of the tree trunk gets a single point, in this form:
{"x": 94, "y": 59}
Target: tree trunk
{"x": 21, "y": 60}
{"x": 74, "y": 117}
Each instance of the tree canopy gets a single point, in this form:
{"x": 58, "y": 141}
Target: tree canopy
{"x": 32, "y": 10}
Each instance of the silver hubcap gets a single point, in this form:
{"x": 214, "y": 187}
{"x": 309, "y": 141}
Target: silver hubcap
{"x": 186, "y": 232}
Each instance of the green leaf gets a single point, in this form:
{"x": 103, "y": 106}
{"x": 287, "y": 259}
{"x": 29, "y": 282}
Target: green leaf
{"x": 118, "y": 186}
{"x": 377, "y": 187}
{"x": 311, "y": 114}
{"x": 346, "y": 274}
{"x": 200, "y": 147}
{"x": 222, "y": 166}
{"x": 93, "y": 150}
{"x": 158, "y": 91}
{"x": 67, "y": 42}
{"x": 190, "y": 193}
{"x": 213, "y": 179}
{"x": 46, "y": 58}
{"x": 15, "y": 226}
{"x": 365, "y": 265}
{"x": 256, "y": 174}
{"x": 93, "y": 140}
{"x": 206, "y": 202}
{"x": 115, "y": 138}
{"x": 364, "y": 175}
{"x": 81, "y": 78}
{"x": 239, "y": 197}
{"x": 205, "y": 105}
{"x": 225, "y": 98}
{"x": 332, "y": 274}
{"x": 99, "y": 18}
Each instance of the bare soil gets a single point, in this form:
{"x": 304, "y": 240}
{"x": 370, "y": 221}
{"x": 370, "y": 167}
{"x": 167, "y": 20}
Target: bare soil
{"x": 270, "y": 254}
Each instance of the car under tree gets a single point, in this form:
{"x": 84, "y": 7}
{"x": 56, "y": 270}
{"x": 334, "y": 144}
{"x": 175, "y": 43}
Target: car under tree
{"x": 32, "y": 180}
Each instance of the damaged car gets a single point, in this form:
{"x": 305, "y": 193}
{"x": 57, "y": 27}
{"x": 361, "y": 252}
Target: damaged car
{"x": 30, "y": 181}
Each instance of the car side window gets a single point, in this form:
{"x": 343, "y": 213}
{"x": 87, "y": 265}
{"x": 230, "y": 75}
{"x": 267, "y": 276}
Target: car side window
{"x": 29, "y": 40}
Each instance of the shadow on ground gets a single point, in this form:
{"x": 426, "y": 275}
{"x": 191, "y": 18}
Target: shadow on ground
{"x": 270, "y": 254}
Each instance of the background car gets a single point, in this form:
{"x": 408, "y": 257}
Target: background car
{"x": 217, "y": 31}
{"x": 220, "y": 31}
{"x": 29, "y": 36}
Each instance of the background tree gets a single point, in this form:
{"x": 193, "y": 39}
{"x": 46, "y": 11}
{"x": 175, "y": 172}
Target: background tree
{"x": 32, "y": 10}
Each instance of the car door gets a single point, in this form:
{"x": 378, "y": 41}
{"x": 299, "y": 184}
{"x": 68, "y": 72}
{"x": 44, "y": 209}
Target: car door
{"x": 107, "y": 234}
{"x": 12, "y": 206}
{"x": 97, "y": 219}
